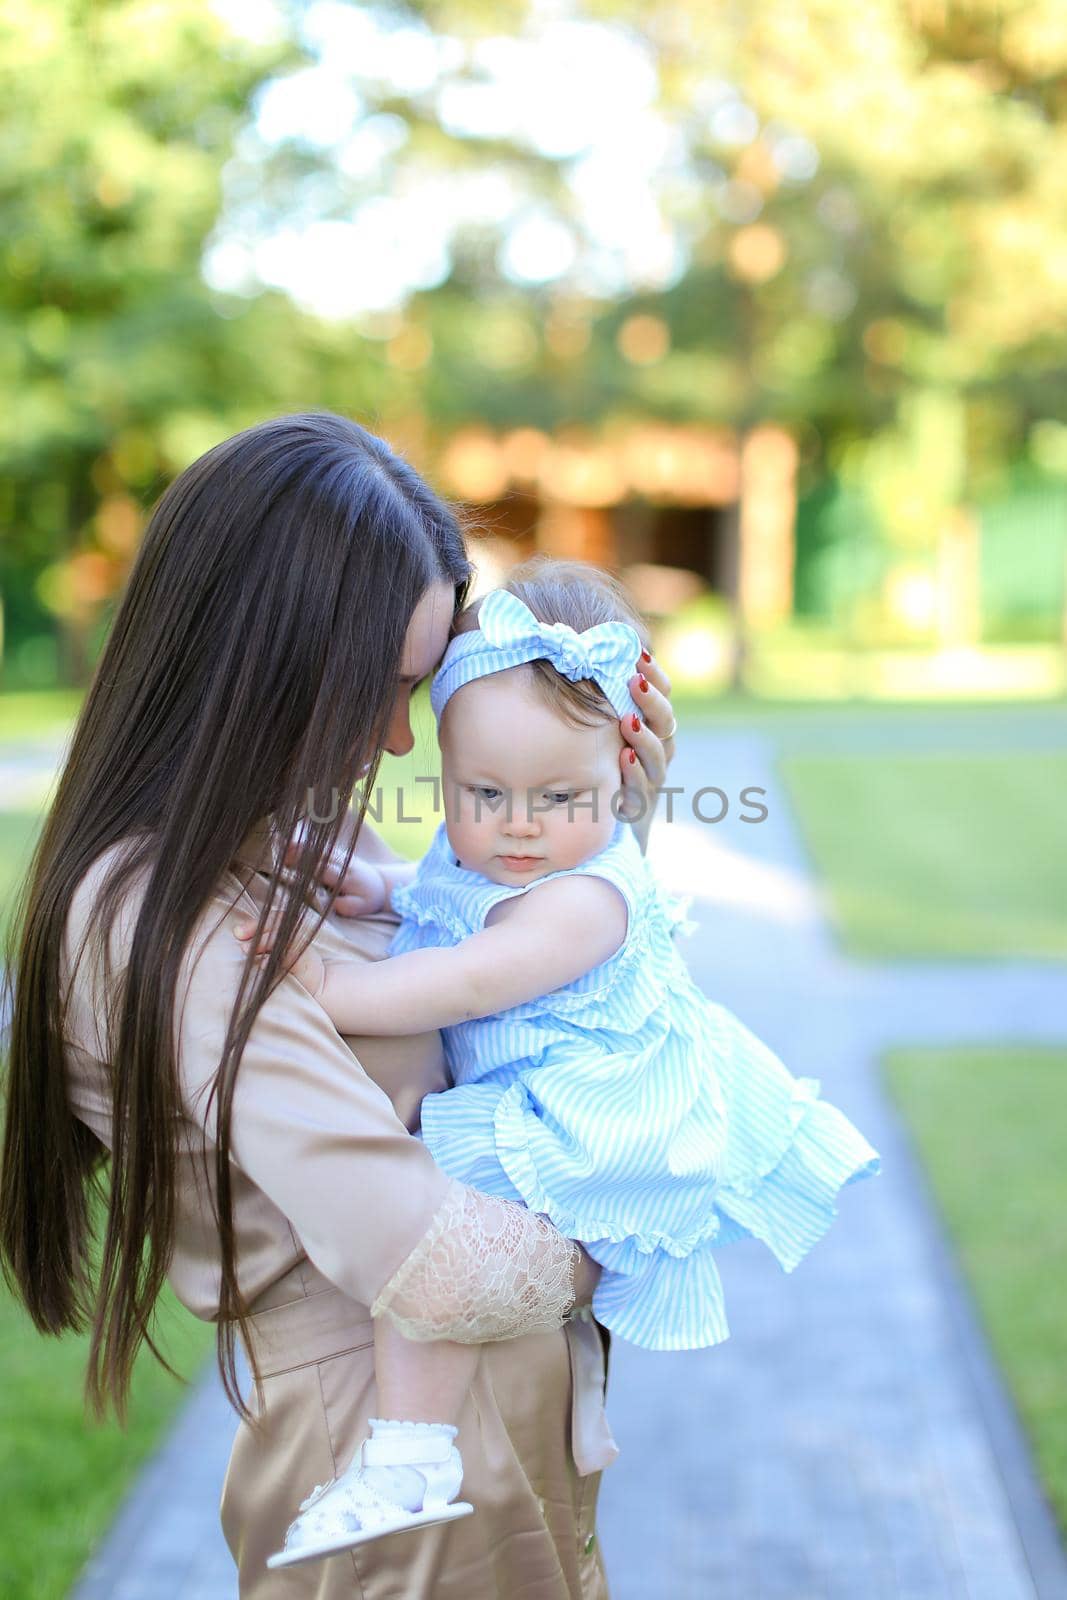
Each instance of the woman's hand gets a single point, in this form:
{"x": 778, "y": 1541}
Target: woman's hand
{"x": 648, "y": 747}
{"x": 307, "y": 968}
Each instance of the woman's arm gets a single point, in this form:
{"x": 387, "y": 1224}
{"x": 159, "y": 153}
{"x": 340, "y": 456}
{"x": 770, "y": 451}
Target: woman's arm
{"x": 486, "y": 1269}
{"x": 517, "y": 959}
{"x": 364, "y": 1198}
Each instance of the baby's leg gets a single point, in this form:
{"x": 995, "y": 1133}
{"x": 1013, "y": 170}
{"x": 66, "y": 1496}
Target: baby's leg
{"x": 421, "y": 1380}
{"x": 421, "y": 1389}
{"x": 409, "y": 1471}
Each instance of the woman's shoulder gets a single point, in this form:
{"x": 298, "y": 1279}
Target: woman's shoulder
{"x": 102, "y": 920}
{"x": 88, "y": 967}
{"x": 114, "y": 886}
{"x": 89, "y": 900}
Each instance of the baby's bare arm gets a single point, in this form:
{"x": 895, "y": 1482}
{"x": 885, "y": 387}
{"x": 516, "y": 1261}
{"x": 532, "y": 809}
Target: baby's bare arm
{"x": 529, "y": 950}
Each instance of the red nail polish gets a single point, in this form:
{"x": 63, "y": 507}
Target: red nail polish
{"x": 646, "y": 655}
{"x": 643, "y": 685}
{"x": 635, "y": 723}
{"x": 633, "y": 757}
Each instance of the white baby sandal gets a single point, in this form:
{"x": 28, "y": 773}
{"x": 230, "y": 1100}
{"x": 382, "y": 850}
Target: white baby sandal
{"x": 406, "y": 1475}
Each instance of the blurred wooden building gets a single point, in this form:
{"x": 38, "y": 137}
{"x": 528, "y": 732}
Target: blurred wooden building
{"x": 677, "y": 510}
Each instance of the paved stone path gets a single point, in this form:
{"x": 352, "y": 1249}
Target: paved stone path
{"x": 852, "y": 1440}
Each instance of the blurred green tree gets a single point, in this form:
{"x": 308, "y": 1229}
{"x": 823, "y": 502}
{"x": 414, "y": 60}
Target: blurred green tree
{"x": 118, "y": 362}
{"x": 878, "y": 243}
{"x": 911, "y": 325}
{"x": 117, "y": 120}
{"x": 867, "y": 209}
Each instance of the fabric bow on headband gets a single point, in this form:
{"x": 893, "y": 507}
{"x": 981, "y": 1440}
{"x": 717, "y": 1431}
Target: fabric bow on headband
{"x": 509, "y": 635}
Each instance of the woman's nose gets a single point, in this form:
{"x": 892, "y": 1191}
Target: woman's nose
{"x": 399, "y": 738}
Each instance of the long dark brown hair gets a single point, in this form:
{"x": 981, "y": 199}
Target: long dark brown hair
{"x": 251, "y": 669}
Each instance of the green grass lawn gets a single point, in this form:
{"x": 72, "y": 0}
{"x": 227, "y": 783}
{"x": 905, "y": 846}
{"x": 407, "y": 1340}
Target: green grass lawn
{"x": 37, "y": 711}
{"x": 18, "y": 830}
{"x": 62, "y": 1476}
{"x": 939, "y": 855}
{"x": 963, "y": 856}
{"x": 991, "y": 1127}
{"x": 769, "y": 709}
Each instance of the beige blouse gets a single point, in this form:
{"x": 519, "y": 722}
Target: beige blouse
{"x": 324, "y": 1164}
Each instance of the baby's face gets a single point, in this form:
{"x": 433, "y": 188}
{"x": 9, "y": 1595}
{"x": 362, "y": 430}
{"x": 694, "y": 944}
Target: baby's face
{"x": 501, "y": 742}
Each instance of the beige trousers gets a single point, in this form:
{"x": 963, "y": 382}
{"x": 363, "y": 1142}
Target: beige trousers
{"x": 532, "y": 1535}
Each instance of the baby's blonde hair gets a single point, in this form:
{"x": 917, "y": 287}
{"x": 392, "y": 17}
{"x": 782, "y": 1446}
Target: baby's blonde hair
{"x": 582, "y": 596}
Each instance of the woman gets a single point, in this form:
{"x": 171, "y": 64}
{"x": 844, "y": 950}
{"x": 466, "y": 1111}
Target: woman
{"x": 294, "y": 586}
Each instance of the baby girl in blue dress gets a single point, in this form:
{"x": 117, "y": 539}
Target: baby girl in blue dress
{"x": 594, "y": 1082}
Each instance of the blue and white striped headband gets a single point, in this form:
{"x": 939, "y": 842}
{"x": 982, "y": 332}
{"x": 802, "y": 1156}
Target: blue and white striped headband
{"x": 509, "y": 635}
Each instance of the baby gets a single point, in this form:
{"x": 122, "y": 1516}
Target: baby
{"x": 594, "y": 1083}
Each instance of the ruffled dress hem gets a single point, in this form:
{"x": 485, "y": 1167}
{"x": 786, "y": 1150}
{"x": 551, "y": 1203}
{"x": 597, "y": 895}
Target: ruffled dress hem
{"x": 787, "y": 1207}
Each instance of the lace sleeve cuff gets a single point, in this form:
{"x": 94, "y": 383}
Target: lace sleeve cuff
{"x": 484, "y": 1269}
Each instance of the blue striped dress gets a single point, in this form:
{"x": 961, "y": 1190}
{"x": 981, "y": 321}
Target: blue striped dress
{"x": 645, "y": 1120}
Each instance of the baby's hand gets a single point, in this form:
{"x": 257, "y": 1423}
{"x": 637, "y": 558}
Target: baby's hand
{"x": 361, "y": 888}
{"x": 307, "y": 968}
